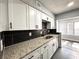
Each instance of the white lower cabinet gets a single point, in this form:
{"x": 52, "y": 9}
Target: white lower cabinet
{"x": 50, "y": 50}
{"x": 34, "y": 55}
{"x": 55, "y": 41}
{"x": 45, "y": 55}
{"x": 44, "y": 52}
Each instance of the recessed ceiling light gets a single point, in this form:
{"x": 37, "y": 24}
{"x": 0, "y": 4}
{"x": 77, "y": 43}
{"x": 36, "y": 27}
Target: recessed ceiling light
{"x": 70, "y": 4}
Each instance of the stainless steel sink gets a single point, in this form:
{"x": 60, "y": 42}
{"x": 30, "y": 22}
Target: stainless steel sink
{"x": 48, "y": 37}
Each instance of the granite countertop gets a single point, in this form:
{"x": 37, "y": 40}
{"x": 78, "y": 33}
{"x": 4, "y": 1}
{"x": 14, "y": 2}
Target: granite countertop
{"x": 19, "y": 50}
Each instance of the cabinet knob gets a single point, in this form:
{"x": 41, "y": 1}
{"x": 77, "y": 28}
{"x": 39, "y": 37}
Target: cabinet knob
{"x": 45, "y": 46}
{"x": 31, "y": 57}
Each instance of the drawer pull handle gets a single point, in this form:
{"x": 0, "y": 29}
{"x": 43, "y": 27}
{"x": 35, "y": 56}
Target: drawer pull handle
{"x": 31, "y": 57}
{"x": 45, "y": 46}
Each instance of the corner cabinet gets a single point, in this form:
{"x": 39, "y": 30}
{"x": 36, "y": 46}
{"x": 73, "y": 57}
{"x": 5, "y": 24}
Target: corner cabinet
{"x": 17, "y": 12}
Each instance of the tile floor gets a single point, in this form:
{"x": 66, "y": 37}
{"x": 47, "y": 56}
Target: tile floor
{"x": 69, "y": 50}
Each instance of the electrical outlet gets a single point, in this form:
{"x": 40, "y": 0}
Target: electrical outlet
{"x": 30, "y": 34}
{"x": 41, "y": 32}
{"x": 36, "y": 26}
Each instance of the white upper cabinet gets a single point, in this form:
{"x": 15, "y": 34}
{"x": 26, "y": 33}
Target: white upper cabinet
{"x": 44, "y": 16}
{"x": 32, "y": 17}
{"x": 17, "y": 12}
{"x": 52, "y": 22}
{"x": 38, "y": 20}
{"x": 24, "y": 17}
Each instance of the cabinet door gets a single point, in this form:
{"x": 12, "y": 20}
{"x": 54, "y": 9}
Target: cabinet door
{"x": 56, "y": 42}
{"x": 38, "y": 20}
{"x": 32, "y": 56}
{"x": 45, "y": 55}
{"x": 32, "y": 17}
{"x": 44, "y": 17}
{"x": 44, "y": 51}
{"x": 50, "y": 50}
{"x": 55, "y": 46}
{"x": 17, "y": 15}
{"x": 52, "y": 23}
{"x": 37, "y": 56}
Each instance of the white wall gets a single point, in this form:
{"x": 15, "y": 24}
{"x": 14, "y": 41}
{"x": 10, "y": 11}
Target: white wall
{"x": 70, "y": 37}
{"x": 3, "y": 15}
{"x": 70, "y": 14}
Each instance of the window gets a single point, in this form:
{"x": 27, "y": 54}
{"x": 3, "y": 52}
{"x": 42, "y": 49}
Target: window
{"x": 70, "y": 28}
{"x": 61, "y": 27}
{"x": 76, "y": 28}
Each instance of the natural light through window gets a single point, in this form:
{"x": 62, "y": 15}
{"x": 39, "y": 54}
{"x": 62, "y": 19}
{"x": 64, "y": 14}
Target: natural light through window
{"x": 76, "y": 28}
{"x": 68, "y": 28}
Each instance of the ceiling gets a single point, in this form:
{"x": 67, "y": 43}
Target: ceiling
{"x": 59, "y": 6}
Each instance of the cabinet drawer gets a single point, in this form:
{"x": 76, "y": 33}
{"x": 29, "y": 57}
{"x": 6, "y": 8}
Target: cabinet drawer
{"x": 43, "y": 48}
{"x": 50, "y": 43}
{"x": 33, "y": 54}
{"x": 37, "y": 50}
